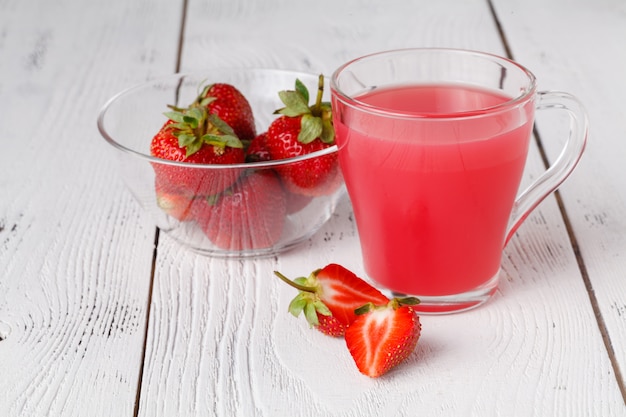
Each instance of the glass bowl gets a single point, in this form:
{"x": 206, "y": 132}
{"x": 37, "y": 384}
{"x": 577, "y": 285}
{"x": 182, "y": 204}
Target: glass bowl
{"x": 257, "y": 213}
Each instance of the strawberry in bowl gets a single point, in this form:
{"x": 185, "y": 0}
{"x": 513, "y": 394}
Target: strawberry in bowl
{"x": 209, "y": 131}
{"x": 193, "y": 151}
{"x": 303, "y": 129}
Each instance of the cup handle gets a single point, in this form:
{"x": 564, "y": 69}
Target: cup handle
{"x": 571, "y": 153}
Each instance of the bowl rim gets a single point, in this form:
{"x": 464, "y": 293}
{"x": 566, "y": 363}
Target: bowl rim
{"x": 180, "y": 75}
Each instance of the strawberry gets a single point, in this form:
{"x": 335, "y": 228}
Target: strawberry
{"x": 296, "y": 202}
{"x": 174, "y": 204}
{"x": 330, "y": 326}
{"x": 382, "y": 336}
{"x": 249, "y": 215}
{"x": 329, "y": 296}
{"x": 189, "y": 180}
{"x": 300, "y": 130}
{"x": 257, "y": 150}
{"x": 209, "y": 131}
{"x": 230, "y": 105}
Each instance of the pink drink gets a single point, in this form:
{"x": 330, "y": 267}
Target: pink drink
{"x": 433, "y": 187}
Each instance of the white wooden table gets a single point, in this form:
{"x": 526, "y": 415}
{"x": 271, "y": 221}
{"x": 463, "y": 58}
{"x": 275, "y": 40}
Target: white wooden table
{"x": 100, "y": 315}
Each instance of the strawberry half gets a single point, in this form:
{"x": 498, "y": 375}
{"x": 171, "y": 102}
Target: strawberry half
{"x": 329, "y": 296}
{"x": 382, "y": 336}
{"x": 300, "y": 130}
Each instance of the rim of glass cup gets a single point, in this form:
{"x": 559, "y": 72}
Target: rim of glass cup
{"x": 250, "y": 165}
{"x": 526, "y": 94}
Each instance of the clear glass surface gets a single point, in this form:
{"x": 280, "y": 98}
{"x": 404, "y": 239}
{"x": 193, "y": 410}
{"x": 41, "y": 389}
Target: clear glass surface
{"x": 432, "y": 145}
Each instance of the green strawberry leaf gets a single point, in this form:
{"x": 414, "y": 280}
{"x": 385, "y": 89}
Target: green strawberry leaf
{"x": 311, "y": 314}
{"x": 297, "y": 305}
{"x": 193, "y": 147}
{"x": 232, "y": 141}
{"x": 185, "y": 139}
{"x": 221, "y": 125}
{"x": 175, "y": 116}
{"x": 301, "y": 281}
{"x": 311, "y": 128}
{"x": 212, "y": 139}
{"x": 321, "y": 308}
{"x": 302, "y": 90}
{"x": 328, "y": 132}
{"x": 364, "y": 309}
{"x": 191, "y": 121}
{"x": 207, "y": 100}
{"x": 179, "y": 127}
{"x": 408, "y": 301}
{"x": 198, "y": 113}
{"x": 222, "y": 140}
{"x": 203, "y": 89}
{"x": 295, "y": 104}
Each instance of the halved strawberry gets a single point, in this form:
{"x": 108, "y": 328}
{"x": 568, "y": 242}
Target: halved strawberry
{"x": 334, "y": 292}
{"x": 382, "y": 336}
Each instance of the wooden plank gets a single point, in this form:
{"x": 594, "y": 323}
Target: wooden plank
{"x": 75, "y": 250}
{"x": 220, "y": 341}
{"x": 584, "y": 55}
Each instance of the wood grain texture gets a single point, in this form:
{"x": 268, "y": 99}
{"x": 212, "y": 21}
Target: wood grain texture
{"x": 566, "y": 56}
{"x": 221, "y": 341}
{"x": 75, "y": 251}
{"x": 319, "y": 38}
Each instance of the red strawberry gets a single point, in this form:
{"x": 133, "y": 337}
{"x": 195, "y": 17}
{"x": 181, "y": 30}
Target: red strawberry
{"x": 383, "y": 336}
{"x": 232, "y": 107}
{"x": 257, "y": 149}
{"x": 249, "y": 215}
{"x": 330, "y": 326}
{"x": 301, "y": 130}
{"x": 194, "y": 136}
{"x": 174, "y": 204}
{"x": 332, "y": 291}
{"x": 296, "y": 202}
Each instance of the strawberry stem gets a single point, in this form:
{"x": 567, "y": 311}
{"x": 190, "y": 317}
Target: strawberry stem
{"x": 408, "y": 301}
{"x": 317, "y": 107}
{"x": 295, "y": 285}
{"x": 394, "y": 303}
{"x": 364, "y": 309}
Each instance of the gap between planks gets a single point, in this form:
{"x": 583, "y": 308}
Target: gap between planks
{"x": 147, "y": 324}
{"x": 570, "y": 233}
{"x": 181, "y": 39}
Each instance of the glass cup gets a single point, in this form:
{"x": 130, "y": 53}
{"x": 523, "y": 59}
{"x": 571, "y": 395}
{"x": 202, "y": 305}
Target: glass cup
{"x": 432, "y": 146}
